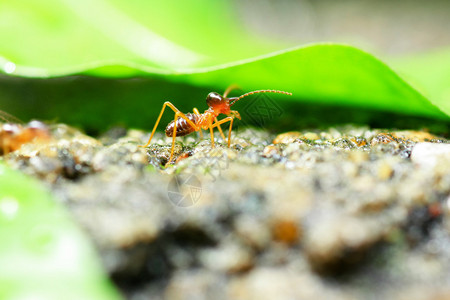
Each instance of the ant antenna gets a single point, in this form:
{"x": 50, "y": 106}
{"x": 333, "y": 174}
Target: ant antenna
{"x": 234, "y": 100}
{"x": 4, "y": 116}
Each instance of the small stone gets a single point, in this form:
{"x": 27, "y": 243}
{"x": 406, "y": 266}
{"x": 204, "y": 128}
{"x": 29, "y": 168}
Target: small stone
{"x": 253, "y": 231}
{"x": 430, "y": 154}
{"x": 358, "y": 156}
{"x": 382, "y": 138}
{"x": 415, "y": 136}
{"x": 358, "y": 141}
{"x": 270, "y": 150}
{"x": 287, "y": 137}
{"x": 290, "y": 137}
{"x": 286, "y": 231}
{"x": 385, "y": 171}
{"x": 45, "y": 165}
{"x": 196, "y": 284}
{"x": 311, "y": 136}
{"x": 230, "y": 258}
{"x": 343, "y": 144}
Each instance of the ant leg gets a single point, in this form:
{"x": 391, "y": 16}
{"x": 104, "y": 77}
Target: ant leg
{"x": 174, "y": 135}
{"x": 227, "y": 119}
{"x": 212, "y": 135}
{"x": 175, "y": 110}
{"x": 156, "y": 125}
{"x": 220, "y": 129}
{"x": 200, "y": 131}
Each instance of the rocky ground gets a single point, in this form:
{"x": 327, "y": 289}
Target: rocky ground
{"x": 348, "y": 212}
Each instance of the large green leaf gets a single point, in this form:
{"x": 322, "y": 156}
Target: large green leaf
{"x": 430, "y": 74}
{"x": 325, "y": 73}
{"x": 54, "y": 37}
{"x": 43, "y": 255}
{"x": 200, "y": 43}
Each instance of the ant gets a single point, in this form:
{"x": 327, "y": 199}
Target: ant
{"x": 184, "y": 124}
{"x": 13, "y": 134}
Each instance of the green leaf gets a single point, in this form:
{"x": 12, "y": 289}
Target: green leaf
{"x": 326, "y": 73}
{"x": 200, "y": 43}
{"x": 53, "y": 37}
{"x": 43, "y": 255}
{"x": 430, "y": 74}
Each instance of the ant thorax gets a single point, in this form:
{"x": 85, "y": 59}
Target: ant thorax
{"x": 219, "y": 108}
{"x": 207, "y": 118}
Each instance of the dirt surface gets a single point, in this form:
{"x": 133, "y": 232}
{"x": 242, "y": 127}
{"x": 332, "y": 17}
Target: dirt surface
{"x": 348, "y": 212}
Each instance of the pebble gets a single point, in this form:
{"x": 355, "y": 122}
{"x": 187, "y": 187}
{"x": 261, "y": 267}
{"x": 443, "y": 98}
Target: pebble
{"x": 227, "y": 258}
{"x": 382, "y": 138}
{"x": 430, "y": 154}
{"x": 286, "y": 231}
{"x": 415, "y": 136}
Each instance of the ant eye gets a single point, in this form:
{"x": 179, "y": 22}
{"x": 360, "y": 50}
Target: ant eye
{"x": 213, "y": 99}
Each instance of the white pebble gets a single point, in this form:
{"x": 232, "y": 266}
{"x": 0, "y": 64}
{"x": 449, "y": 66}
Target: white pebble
{"x": 430, "y": 154}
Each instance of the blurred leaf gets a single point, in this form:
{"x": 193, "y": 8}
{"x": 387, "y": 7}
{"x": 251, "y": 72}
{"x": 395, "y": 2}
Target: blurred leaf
{"x": 195, "y": 42}
{"x": 43, "y": 255}
{"x": 53, "y": 37}
{"x": 430, "y": 74}
{"x": 327, "y": 73}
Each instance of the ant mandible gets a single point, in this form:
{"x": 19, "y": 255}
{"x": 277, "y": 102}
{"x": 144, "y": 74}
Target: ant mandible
{"x": 184, "y": 124}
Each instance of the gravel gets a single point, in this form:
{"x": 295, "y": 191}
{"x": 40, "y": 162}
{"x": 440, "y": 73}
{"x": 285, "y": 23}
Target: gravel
{"x": 343, "y": 213}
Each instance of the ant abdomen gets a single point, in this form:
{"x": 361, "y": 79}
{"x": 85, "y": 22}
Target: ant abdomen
{"x": 183, "y": 127}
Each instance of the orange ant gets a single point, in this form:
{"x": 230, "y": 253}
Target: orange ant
{"x": 13, "y": 134}
{"x": 184, "y": 124}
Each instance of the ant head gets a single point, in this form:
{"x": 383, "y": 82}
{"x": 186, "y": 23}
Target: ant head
{"x": 218, "y": 103}
{"x": 215, "y": 99}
